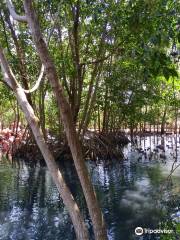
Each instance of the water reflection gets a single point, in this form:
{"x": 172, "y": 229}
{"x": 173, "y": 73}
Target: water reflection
{"x": 130, "y": 194}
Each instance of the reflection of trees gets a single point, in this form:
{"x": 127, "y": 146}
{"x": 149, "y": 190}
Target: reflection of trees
{"x": 35, "y": 188}
{"x": 27, "y": 199}
{"x": 7, "y": 192}
{"x": 117, "y": 184}
{"x": 72, "y": 180}
{"x": 155, "y": 176}
{"x": 127, "y": 191}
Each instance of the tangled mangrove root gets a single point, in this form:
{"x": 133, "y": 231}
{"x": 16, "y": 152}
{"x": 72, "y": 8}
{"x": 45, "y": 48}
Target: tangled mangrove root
{"x": 104, "y": 146}
{"x": 96, "y": 146}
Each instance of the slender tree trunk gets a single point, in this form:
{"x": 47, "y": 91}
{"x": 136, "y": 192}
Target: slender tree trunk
{"x": 131, "y": 132}
{"x": 88, "y": 98}
{"x": 74, "y": 144}
{"x": 175, "y": 108}
{"x": 163, "y": 121}
{"x": 80, "y": 228}
{"x": 74, "y": 39}
{"x": 42, "y": 118}
{"x": 104, "y": 127}
{"x": 91, "y": 104}
{"x": 99, "y": 120}
{"x": 91, "y": 95}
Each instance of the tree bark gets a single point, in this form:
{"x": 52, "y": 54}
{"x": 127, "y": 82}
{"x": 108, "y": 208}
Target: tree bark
{"x": 67, "y": 119}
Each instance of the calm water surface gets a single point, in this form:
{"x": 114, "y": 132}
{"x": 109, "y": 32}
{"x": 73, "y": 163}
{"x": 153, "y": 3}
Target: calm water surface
{"x": 132, "y": 193}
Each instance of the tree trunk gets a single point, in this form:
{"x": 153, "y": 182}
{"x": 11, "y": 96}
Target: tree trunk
{"x": 104, "y": 125}
{"x": 42, "y": 93}
{"x": 99, "y": 120}
{"x": 94, "y": 81}
{"x": 80, "y": 228}
{"x": 74, "y": 144}
{"x": 163, "y": 121}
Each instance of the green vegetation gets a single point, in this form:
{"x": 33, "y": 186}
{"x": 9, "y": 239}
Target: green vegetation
{"x": 75, "y": 65}
{"x": 117, "y": 62}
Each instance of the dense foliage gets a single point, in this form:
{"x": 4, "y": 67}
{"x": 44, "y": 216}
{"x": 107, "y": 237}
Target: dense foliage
{"x": 117, "y": 60}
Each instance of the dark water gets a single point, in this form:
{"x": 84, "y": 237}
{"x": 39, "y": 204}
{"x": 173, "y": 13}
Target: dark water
{"x": 132, "y": 193}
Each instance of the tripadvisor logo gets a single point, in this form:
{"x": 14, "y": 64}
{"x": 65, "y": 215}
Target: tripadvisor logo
{"x": 139, "y": 231}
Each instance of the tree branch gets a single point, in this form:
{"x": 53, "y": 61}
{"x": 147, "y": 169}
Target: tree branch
{"x": 6, "y": 71}
{"x": 37, "y": 82}
{"x": 13, "y": 13}
{"x": 96, "y": 61}
{"x": 9, "y": 77}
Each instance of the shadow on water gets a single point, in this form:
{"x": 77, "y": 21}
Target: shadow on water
{"x": 132, "y": 193}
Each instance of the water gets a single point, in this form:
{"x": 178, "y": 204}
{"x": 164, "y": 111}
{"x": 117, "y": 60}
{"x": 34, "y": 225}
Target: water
{"x": 132, "y": 193}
